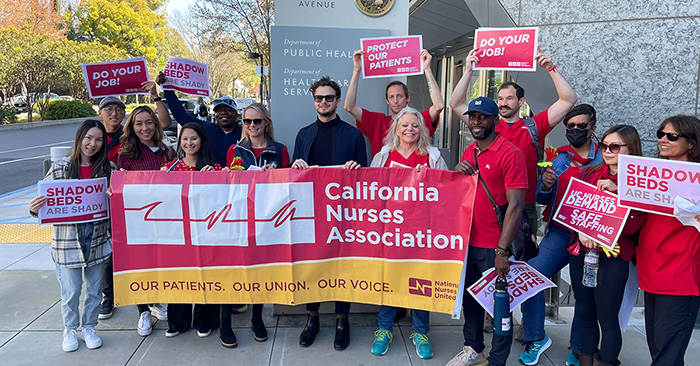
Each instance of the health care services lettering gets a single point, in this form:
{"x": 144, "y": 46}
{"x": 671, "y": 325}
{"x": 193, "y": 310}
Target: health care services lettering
{"x": 372, "y": 191}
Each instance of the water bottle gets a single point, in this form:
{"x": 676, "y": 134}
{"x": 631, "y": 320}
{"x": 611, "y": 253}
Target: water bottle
{"x": 501, "y": 308}
{"x": 590, "y": 269}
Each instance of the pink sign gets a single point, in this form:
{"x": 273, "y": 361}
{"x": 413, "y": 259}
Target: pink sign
{"x": 651, "y": 185}
{"x": 589, "y": 211}
{"x": 524, "y": 282}
{"x": 392, "y": 56}
{"x": 506, "y": 48}
{"x": 188, "y": 76}
{"x": 115, "y": 77}
{"x": 71, "y": 201}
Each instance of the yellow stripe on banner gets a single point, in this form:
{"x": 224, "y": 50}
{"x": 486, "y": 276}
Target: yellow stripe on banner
{"x": 25, "y": 233}
{"x": 426, "y": 286}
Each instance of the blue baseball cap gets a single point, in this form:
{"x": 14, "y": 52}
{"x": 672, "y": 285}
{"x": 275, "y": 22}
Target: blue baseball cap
{"x": 484, "y": 105}
{"x": 227, "y": 101}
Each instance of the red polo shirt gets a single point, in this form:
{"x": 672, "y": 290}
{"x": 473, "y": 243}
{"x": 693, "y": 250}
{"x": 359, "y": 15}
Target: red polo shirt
{"x": 502, "y": 165}
{"x": 518, "y": 135}
{"x": 376, "y": 125}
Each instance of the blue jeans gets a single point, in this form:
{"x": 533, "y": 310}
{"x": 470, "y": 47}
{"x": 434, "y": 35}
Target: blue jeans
{"x": 71, "y": 281}
{"x": 552, "y": 257}
{"x": 420, "y": 319}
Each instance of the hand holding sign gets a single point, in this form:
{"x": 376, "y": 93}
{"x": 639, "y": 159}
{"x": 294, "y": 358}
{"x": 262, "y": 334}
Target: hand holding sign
{"x": 543, "y": 59}
{"x": 115, "y": 77}
{"x": 509, "y": 49}
{"x": 393, "y": 56}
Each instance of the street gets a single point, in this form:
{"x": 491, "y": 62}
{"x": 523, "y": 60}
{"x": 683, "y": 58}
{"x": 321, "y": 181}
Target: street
{"x": 22, "y": 153}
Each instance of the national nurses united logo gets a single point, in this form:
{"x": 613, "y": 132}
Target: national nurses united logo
{"x": 374, "y": 8}
{"x": 284, "y": 213}
{"x": 420, "y": 287}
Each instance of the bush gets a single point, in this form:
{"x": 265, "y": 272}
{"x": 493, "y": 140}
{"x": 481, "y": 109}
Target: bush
{"x": 7, "y": 114}
{"x": 131, "y": 106}
{"x": 65, "y": 109}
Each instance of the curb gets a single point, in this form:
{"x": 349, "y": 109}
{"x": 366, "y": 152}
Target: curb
{"x": 27, "y": 125}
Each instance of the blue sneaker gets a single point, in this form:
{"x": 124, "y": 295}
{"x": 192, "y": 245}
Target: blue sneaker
{"x": 572, "y": 360}
{"x": 423, "y": 347}
{"x": 533, "y": 351}
{"x": 382, "y": 338}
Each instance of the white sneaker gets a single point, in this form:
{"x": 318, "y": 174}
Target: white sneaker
{"x": 160, "y": 311}
{"x": 92, "y": 340}
{"x": 70, "y": 340}
{"x": 468, "y": 357}
{"x": 144, "y": 328}
{"x": 203, "y": 334}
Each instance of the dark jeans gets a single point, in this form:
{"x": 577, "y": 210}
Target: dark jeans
{"x": 600, "y": 305}
{"x": 669, "y": 321}
{"x": 206, "y": 317}
{"x": 341, "y": 307}
{"x": 108, "y": 282}
{"x": 532, "y": 216}
{"x": 478, "y": 261}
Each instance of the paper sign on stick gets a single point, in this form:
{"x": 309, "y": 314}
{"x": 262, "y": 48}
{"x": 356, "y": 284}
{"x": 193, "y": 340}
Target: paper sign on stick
{"x": 651, "y": 185}
{"x": 524, "y": 282}
{"x": 594, "y": 213}
{"x": 506, "y": 48}
{"x": 72, "y": 201}
{"x": 393, "y": 56}
{"x": 115, "y": 77}
{"x": 188, "y": 76}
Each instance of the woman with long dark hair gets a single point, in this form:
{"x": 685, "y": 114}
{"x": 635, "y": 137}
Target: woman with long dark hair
{"x": 80, "y": 249}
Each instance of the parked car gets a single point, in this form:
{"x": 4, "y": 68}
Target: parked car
{"x": 20, "y": 103}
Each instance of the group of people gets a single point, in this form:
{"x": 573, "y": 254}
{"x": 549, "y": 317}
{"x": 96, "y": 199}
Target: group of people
{"x": 504, "y": 154}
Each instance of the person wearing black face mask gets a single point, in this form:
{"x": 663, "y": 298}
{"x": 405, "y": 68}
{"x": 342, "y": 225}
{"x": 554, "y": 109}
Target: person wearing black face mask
{"x": 553, "y": 254}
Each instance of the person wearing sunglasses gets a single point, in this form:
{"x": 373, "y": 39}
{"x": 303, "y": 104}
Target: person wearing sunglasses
{"x": 375, "y": 125}
{"x": 598, "y": 307}
{"x": 568, "y": 162}
{"x": 668, "y": 257}
{"x": 328, "y": 141}
{"x": 258, "y": 146}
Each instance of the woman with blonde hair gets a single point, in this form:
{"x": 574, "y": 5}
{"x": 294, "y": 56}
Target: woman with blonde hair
{"x": 258, "y": 146}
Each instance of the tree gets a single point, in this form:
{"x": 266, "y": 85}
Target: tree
{"x": 35, "y": 16}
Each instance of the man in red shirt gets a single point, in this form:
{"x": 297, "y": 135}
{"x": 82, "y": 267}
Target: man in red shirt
{"x": 502, "y": 167}
{"x": 511, "y": 98}
{"x": 375, "y": 125}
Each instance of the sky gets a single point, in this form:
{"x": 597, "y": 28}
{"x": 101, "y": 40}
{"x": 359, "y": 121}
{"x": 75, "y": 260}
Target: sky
{"x": 179, "y": 5}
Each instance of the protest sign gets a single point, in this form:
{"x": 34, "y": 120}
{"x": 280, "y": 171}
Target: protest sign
{"x": 524, "y": 282}
{"x": 506, "y": 48}
{"x": 651, "y": 185}
{"x": 595, "y": 213}
{"x": 188, "y": 76}
{"x": 374, "y": 235}
{"x": 115, "y": 77}
{"x": 393, "y": 56}
{"x": 73, "y": 201}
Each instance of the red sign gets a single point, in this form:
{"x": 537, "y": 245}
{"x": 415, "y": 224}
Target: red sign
{"x": 188, "y": 76}
{"x": 115, "y": 77}
{"x": 392, "y": 56}
{"x": 594, "y": 213}
{"x": 506, "y": 48}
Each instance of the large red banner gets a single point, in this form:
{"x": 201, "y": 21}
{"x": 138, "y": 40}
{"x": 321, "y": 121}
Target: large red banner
{"x": 506, "y": 48}
{"x": 115, "y": 77}
{"x": 374, "y": 235}
{"x": 393, "y": 56}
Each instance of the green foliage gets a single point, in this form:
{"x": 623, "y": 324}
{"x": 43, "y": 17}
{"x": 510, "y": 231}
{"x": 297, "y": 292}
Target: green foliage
{"x": 65, "y": 109}
{"x": 131, "y": 106}
{"x": 7, "y": 115}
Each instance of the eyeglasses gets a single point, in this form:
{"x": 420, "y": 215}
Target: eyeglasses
{"x": 580, "y": 126}
{"x": 328, "y": 98}
{"x": 670, "y": 136}
{"x": 256, "y": 121}
{"x": 111, "y": 110}
{"x": 614, "y": 148}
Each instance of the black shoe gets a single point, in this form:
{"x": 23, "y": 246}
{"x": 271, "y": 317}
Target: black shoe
{"x": 342, "y": 334}
{"x": 106, "y": 310}
{"x": 258, "y": 327}
{"x": 308, "y": 335}
{"x": 400, "y": 313}
{"x": 228, "y": 339}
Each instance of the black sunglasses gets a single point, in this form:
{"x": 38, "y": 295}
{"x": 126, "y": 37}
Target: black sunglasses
{"x": 614, "y": 148}
{"x": 256, "y": 121}
{"x": 328, "y": 98}
{"x": 670, "y": 136}
{"x": 580, "y": 126}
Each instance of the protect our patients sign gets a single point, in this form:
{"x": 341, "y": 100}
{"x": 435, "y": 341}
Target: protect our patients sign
{"x": 506, "y": 48}
{"x": 524, "y": 282}
{"x": 393, "y": 56}
{"x": 651, "y": 185}
{"x": 592, "y": 212}
{"x": 188, "y": 76}
{"x": 373, "y": 235}
{"x": 70, "y": 201}
{"x": 115, "y": 77}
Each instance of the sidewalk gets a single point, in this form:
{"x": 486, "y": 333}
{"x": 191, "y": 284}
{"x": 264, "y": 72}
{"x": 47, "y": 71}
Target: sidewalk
{"x": 31, "y": 326}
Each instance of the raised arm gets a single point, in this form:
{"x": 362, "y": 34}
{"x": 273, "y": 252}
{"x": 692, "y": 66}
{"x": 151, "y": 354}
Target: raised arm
{"x": 161, "y": 108}
{"x": 433, "y": 88}
{"x": 459, "y": 94}
{"x": 567, "y": 95}
{"x": 351, "y": 98}
{"x": 178, "y": 111}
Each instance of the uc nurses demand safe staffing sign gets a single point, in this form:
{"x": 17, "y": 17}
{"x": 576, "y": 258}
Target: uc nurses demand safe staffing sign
{"x": 375, "y": 235}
